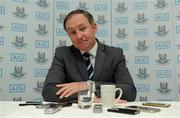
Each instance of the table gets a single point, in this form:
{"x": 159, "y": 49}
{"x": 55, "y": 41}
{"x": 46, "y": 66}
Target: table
{"x": 11, "y": 109}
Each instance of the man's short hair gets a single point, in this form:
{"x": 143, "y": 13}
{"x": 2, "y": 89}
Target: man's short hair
{"x": 79, "y": 11}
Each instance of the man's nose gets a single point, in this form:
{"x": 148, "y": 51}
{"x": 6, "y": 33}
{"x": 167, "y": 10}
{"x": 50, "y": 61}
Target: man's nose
{"x": 79, "y": 34}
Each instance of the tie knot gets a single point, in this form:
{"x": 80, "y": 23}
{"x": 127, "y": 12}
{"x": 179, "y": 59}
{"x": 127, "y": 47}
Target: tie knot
{"x": 86, "y": 55}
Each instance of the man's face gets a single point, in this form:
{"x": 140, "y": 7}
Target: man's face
{"x": 81, "y": 32}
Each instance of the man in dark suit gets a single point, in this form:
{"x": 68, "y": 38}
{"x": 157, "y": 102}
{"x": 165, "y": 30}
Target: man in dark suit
{"x": 68, "y": 73}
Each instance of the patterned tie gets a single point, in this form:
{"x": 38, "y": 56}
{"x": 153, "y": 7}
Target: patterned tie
{"x": 88, "y": 66}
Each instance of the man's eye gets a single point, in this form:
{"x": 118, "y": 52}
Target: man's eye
{"x": 82, "y": 29}
{"x": 72, "y": 33}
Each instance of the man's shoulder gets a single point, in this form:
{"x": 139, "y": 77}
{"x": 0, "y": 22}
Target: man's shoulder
{"x": 112, "y": 48}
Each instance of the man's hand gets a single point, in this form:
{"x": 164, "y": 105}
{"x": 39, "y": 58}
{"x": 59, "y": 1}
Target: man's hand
{"x": 66, "y": 90}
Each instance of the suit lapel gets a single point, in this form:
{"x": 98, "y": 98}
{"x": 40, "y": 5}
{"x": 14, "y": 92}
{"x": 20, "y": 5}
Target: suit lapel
{"x": 99, "y": 61}
{"x": 80, "y": 63}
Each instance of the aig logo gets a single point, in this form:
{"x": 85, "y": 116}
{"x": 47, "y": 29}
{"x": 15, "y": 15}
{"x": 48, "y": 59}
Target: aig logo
{"x": 163, "y": 73}
{"x": 42, "y": 16}
{"x": 141, "y": 32}
{"x": 40, "y": 72}
{"x": 161, "y": 17}
{"x": 140, "y": 5}
{"x": 16, "y": 88}
{"x": 162, "y": 45}
{"x": 62, "y": 5}
{"x": 60, "y": 32}
{"x": 102, "y": 33}
{"x": 2, "y": 9}
{"x": 100, "y": 7}
{"x": 121, "y": 20}
{"x": 124, "y": 46}
{"x": 177, "y": 29}
{"x": 18, "y": 57}
{"x": 141, "y": 60}
{"x": 1, "y": 41}
{"x": 41, "y": 44}
{"x": 19, "y": 27}
{"x": 143, "y": 87}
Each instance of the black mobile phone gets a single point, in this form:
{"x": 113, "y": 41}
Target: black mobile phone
{"x": 145, "y": 109}
{"x": 153, "y": 104}
{"x": 124, "y": 110}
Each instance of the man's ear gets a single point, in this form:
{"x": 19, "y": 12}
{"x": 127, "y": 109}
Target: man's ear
{"x": 94, "y": 26}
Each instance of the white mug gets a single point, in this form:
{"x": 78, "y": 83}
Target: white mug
{"x": 108, "y": 95}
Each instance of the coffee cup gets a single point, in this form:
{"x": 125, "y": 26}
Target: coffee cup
{"x": 108, "y": 93}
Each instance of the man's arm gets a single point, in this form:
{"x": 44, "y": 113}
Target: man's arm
{"x": 120, "y": 75}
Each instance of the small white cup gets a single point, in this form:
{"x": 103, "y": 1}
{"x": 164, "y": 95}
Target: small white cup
{"x": 108, "y": 95}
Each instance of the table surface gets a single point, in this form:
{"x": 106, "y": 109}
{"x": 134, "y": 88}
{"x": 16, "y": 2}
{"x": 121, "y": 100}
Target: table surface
{"x": 11, "y": 109}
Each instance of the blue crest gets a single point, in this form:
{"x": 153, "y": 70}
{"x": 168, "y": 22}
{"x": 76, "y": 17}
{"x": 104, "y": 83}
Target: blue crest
{"x": 121, "y": 33}
{"x": 61, "y": 18}
{"x": 19, "y": 42}
{"x": 161, "y": 4}
{"x": 41, "y": 29}
{"x": 20, "y": 12}
{"x": 18, "y": 72}
{"x": 41, "y": 59}
{"x": 141, "y": 18}
{"x": 82, "y": 5}
{"x": 101, "y": 20}
{"x": 42, "y": 3}
{"x": 162, "y": 59}
{"x": 143, "y": 98}
{"x": 141, "y": 46}
{"x": 142, "y": 74}
{"x": 121, "y": 7}
{"x": 163, "y": 88}
{"x": 39, "y": 87}
{"x": 162, "y": 31}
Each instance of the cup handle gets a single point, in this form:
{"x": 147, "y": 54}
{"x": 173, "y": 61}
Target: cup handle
{"x": 120, "y": 94}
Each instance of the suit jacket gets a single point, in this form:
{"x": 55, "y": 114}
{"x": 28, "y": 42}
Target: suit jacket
{"x": 68, "y": 66}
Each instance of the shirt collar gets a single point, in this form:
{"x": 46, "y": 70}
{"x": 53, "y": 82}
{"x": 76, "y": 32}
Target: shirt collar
{"x": 93, "y": 51}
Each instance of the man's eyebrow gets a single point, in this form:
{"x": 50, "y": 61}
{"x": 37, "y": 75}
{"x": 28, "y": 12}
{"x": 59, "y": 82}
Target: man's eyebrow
{"x": 69, "y": 28}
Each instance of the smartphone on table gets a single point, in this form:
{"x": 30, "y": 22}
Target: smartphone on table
{"x": 144, "y": 109}
{"x": 124, "y": 110}
{"x": 153, "y": 104}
